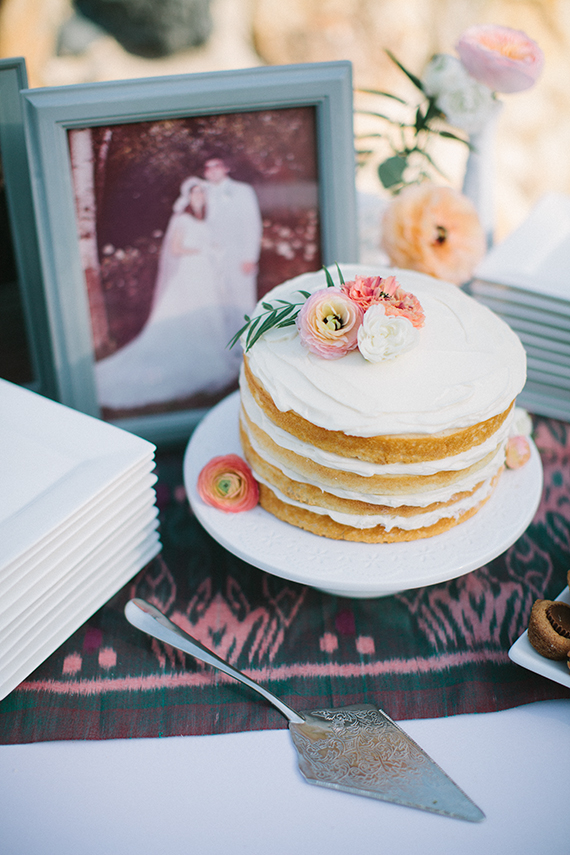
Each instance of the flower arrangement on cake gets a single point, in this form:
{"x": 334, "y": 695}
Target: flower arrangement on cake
{"x": 371, "y": 313}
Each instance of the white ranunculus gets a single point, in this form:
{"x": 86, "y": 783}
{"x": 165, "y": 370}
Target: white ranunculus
{"x": 382, "y": 336}
{"x": 467, "y": 104}
{"x": 521, "y": 424}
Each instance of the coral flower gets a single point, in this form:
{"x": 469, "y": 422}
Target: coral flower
{"x": 518, "y": 452}
{"x": 405, "y": 305}
{"x": 227, "y": 483}
{"x": 367, "y": 290}
{"x": 328, "y": 323}
{"x": 434, "y": 230}
{"x": 504, "y": 59}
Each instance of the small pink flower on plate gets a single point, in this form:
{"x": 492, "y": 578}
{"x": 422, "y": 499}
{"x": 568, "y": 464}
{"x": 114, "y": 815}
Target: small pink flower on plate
{"x": 227, "y": 483}
{"x": 504, "y": 59}
{"x": 328, "y": 323}
{"x": 517, "y": 452}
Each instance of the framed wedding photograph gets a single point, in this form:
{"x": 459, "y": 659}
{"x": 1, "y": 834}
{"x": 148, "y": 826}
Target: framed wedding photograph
{"x": 25, "y": 351}
{"x": 165, "y": 209}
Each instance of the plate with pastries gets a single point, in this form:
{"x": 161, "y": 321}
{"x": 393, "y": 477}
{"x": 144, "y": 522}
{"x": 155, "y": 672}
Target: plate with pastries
{"x": 545, "y": 646}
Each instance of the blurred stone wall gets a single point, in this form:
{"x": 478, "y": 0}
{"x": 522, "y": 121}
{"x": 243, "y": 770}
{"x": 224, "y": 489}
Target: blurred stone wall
{"x": 533, "y": 137}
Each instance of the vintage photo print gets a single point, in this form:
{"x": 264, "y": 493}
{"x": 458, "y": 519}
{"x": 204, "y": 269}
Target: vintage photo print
{"x": 184, "y": 223}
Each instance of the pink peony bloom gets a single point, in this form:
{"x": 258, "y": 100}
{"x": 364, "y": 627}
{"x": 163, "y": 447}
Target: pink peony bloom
{"x": 518, "y": 452}
{"x": 504, "y": 59}
{"x": 435, "y": 230}
{"x": 328, "y": 323}
{"x": 227, "y": 483}
{"x": 367, "y": 290}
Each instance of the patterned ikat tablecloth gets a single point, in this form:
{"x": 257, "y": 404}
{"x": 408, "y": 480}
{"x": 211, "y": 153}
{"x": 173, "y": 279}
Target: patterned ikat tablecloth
{"x": 435, "y": 651}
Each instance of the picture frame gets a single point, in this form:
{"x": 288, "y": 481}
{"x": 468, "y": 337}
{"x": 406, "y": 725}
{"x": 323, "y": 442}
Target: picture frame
{"x": 26, "y": 344}
{"x": 55, "y": 116}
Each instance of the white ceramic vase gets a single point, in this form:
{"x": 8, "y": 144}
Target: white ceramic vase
{"x": 479, "y": 181}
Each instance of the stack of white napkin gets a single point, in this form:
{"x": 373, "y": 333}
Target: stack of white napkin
{"x": 526, "y": 280}
{"x": 78, "y": 519}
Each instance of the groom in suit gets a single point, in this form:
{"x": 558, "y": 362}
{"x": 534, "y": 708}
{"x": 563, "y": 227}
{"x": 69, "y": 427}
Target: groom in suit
{"x": 235, "y": 221}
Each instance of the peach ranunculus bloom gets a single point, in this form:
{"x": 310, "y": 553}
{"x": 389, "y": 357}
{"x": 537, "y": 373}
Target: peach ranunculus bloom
{"x": 434, "y": 230}
{"x": 405, "y": 305}
{"x": 227, "y": 483}
{"x": 328, "y": 323}
{"x": 367, "y": 290}
{"x": 504, "y": 59}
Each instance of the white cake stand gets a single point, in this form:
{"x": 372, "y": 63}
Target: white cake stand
{"x": 356, "y": 569}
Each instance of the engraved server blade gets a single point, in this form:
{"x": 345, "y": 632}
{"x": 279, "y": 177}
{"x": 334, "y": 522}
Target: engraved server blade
{"x": 360, "y": 749}
{"x": 357, "y": 748}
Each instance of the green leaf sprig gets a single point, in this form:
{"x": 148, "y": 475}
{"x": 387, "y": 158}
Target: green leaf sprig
{"x": 425, "y": 120}
{"x": 275, "y": 317}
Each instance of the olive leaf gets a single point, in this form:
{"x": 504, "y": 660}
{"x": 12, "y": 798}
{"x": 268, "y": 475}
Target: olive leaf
{"x": 275, "y": 317}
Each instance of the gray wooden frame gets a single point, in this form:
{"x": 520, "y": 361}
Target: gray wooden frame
{"x": 13, "y": 79}
{"x": 49, "y": 113}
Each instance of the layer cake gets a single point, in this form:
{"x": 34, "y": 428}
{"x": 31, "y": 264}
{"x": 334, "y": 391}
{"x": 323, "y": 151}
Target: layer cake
{"x": 387, "y": 451}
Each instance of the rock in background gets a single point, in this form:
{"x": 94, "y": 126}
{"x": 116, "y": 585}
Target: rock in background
{"x": 149, "y": 28}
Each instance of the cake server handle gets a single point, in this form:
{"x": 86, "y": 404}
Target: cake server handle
{"x": 151, "y": 620}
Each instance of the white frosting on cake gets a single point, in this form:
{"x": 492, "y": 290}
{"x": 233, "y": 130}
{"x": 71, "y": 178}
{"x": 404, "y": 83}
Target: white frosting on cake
{"x": 467, "y": 367}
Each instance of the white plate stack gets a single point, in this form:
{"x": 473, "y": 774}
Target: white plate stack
{"x": 78, "y": 519}
{"x": 526, "y": 280}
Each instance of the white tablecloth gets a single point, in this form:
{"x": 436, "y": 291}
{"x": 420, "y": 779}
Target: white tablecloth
{"x": 243, "y": 793}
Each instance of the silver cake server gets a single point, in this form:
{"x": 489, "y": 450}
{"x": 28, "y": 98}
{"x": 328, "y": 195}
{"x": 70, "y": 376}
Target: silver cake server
{"x": 357, "y": 748}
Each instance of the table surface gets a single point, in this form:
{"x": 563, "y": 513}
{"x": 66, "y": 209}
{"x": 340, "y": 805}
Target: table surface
{"x": 243, "y": 792}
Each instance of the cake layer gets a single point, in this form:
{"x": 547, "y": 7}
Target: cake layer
{"x": 300, "y": 476}
{"x": 384, "y": 449}
{"x": 323, "y": 524}
{"x": 332, "y": 460}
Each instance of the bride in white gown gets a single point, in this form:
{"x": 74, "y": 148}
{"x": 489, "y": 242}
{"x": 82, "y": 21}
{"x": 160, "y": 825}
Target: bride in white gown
{"x": 182, "y": 349}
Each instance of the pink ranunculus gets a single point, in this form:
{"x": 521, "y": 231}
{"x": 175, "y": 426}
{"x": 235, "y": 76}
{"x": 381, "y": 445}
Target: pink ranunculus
{"x": 328, "y": 323}
{"x": 517, "y": 452}
{"x": 363, "y": 290}
{"x": 367, "y": 290}
{"x": 405, "y": 305}
{"x": 504, "y": 59}
{"x": 390, "y": 286}
{"x": 227, "y": 483}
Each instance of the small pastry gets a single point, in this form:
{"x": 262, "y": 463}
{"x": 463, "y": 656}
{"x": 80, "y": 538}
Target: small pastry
{"x": 549, "y": 629}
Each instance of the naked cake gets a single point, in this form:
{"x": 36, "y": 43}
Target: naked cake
{"x": 390, "y": 425}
